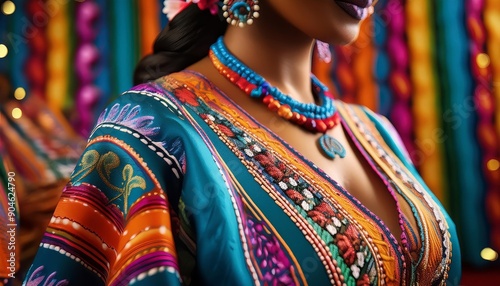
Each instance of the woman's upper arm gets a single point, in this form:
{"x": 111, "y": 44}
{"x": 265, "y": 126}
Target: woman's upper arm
{"x": 113, "y": 223}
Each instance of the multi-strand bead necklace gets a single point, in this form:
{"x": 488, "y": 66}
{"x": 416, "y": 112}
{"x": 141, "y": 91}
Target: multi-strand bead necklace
{"x": 312, "y": 117}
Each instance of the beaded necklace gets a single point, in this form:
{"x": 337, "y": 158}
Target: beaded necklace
{"x": 312, "y": 117}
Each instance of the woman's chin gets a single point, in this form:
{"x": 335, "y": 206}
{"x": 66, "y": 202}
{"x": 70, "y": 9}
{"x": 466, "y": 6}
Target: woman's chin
{"x": 348, "y": 38}
{"x": 343, "y": 35}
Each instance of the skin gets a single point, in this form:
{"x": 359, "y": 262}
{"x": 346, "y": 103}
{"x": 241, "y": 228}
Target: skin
{"x": 278, "y": 46}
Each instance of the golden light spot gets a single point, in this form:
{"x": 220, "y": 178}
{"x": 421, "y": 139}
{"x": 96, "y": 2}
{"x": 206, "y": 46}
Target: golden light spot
{"x": 3, "y": 51}
{"x": 489, "y": 254}
{"x": 17, "y": 113}
{"x": 483, "y": 60}
{"x": 19, "y": 93}
{"x": 8, "y": 7}
{"x": 493, "y": 165}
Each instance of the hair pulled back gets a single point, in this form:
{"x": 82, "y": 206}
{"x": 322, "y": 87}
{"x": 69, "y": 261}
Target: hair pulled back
{"x": 185, "y": 40}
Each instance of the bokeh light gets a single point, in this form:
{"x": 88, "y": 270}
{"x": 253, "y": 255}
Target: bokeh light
{"x": 3, "y": 51}
{"x": 20, "y": 93}
{"x": 493, "y": 165}
{"x": 483, "y": 60}
{"x": 8, "y": 7}
{"x": 489, "y": 254}
{"x": 17, "y": 113}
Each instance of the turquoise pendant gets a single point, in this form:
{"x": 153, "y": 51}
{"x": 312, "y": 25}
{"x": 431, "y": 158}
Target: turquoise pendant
{"x": 331, "y": 146}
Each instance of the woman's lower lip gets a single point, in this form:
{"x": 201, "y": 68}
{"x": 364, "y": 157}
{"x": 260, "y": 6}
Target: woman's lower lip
{"x": 353, "y": 10}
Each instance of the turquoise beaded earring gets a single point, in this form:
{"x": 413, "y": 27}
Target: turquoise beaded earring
{"x": 241, "y": 12}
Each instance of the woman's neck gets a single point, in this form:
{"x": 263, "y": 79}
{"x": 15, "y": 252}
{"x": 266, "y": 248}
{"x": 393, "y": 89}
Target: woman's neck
{"x": 282, "y": 58}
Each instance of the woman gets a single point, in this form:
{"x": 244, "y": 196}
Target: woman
{"x": 234, "y": 167}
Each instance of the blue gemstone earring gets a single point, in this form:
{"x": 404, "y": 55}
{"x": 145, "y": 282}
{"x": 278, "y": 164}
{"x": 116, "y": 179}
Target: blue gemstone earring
{"x": 241, "y": 12}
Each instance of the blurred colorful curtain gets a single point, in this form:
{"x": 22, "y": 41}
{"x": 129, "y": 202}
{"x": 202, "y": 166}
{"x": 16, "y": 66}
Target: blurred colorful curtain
{"x": 431, "y": 67}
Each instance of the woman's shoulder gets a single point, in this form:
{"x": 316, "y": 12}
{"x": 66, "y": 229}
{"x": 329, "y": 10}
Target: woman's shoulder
{"x": 164, "y": 96}
{"x": 154, "y": 109}
{"x": 371, "y": 123}
{"x": 167, "y": 87}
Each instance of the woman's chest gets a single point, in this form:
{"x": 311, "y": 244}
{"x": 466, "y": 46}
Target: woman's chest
{"x": 357, "y": 234}
{"x": 292, "y": 203}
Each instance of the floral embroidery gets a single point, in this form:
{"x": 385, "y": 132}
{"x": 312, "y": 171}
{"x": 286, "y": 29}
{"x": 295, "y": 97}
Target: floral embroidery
{"x": 37, "y": 278}
{"x": 344, "y": 236}
{"x": 346, "y": 249}
{"x": 364, "y": 280}
{"x": 273, "y": 262}
{"x": 186, "y": 96}
{"x": 105, "y": 164}
{"x": 129, "y": 117}
{"x": 225, "y": 130}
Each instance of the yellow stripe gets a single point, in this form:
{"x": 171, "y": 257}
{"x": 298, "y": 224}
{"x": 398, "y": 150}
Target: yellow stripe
{"x": 57, "y": 56}
{"x": 424, "y": 94}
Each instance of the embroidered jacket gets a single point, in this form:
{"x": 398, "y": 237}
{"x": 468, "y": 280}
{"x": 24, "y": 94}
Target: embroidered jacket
{"x": 178, "y": 185}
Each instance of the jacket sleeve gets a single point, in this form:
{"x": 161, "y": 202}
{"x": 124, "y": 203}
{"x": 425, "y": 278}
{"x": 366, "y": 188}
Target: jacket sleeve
{"x": 116, "y": 220}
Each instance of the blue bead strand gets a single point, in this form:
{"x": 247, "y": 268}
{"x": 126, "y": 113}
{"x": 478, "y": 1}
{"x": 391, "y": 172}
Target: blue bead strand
{"x": 263, "y": 88}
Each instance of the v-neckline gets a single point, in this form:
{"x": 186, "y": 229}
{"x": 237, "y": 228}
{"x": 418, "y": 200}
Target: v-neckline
{"x": 400, "y": 247}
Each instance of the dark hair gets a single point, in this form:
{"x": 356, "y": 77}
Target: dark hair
{"x": 185, "y": 40}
